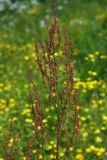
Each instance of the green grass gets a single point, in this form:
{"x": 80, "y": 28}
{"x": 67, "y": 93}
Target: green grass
{"x": 86, "y": 21}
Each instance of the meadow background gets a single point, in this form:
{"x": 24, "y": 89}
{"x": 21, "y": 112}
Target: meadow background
{"x": 21, "y": 23}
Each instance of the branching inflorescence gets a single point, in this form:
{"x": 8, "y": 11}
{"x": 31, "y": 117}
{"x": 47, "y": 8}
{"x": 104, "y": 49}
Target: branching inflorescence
{"x": 55, "y": 58}
{"x": 57, "y": 72}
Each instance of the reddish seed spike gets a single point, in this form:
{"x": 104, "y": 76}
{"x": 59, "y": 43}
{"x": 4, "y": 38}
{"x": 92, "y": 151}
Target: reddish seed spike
{"x": 65, "y": 51}
{"x": 5, "y": 151}
{"x": 65, "y": 34}
{"x": 41, "y": 66}
{"x": 47, "y": 48}
{"x": 37, "y": 50}
{"x": 42, "y": 46}
{"x": 71, "y": 47}
{"x": 31, "y": 99}
{"x": 44, "y": 71}
{"x": 62, "y": 117}
{"x": 54, "y": 9}
{"x": 70, "y": 41}
{"x": 51, "y": 37}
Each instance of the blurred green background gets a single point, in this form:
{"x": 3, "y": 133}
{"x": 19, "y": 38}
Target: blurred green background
{"x": 23, "y": 22}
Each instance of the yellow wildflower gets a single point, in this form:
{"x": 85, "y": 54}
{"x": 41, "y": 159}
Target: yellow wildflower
{"x": 47, "y": 110}
{"x": 79, "y": 156}
{"x": 51, "y": 156}
{"x": 34, "y": 151}
{"x": 44, "y": 120}
{"x": 104, "y": 117}
{"x": 56, "y": 54}
{"x": 98, "y": 139}
{"x": 49, "y": 148}
{"x": 26, "y": 58}
{"x": 26, "y": 111}
{"x": 71, "y": 149}
{"x": 28, "y": 120}
{"x": 40, "y": 156}
{"x": 97, "y": 53}
{"x": 61, "y": 154}
{"x": 10, "y": 142}
{"x": 52, "y": 142}
{"x": 88, "y": 150}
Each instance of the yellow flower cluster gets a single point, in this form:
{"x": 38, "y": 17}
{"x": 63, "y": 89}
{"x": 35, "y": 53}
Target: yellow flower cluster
{"x": 99, "y": 151}
{"x": 88, "y": 85}
{"x": 93, "y": 57}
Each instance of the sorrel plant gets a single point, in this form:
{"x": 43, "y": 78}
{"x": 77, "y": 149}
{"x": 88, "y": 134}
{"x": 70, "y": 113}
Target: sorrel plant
{"x": 55, "y": 58}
